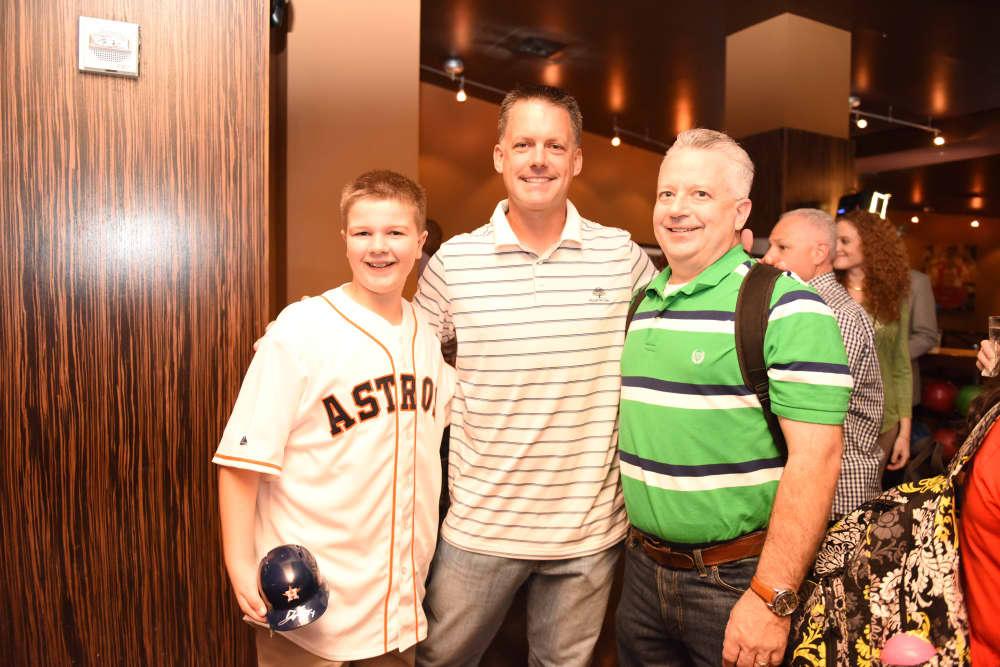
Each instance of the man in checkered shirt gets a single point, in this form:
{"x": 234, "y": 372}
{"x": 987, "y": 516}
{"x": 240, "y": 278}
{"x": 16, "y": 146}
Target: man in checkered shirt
{"x": 804, "y": 242}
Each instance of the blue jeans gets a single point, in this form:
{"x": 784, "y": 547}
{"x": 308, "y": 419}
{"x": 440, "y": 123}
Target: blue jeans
{"x": 676, "y": 617}
{"x": 468, "y": 595}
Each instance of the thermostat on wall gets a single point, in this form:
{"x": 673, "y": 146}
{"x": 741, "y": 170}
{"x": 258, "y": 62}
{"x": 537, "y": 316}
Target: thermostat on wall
{"x": 109, "y": 47}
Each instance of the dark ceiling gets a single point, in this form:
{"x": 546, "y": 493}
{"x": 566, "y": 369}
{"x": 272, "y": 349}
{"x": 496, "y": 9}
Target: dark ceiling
{"x": 657, "y": 66}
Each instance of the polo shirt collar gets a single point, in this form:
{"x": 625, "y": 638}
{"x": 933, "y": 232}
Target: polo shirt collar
{"x": 710, "y": 277}
{"x": 504, "y": 237}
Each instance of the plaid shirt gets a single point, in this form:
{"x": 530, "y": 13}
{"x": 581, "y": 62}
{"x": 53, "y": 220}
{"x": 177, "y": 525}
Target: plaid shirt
{"x": 860, "y": 469}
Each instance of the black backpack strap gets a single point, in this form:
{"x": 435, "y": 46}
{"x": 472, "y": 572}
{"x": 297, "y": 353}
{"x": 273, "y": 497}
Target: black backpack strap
{"x": 634, "y": 305}
{"x": 752, "y": 310}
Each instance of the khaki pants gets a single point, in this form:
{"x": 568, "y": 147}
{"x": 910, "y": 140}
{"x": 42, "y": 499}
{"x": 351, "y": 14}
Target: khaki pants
{"x": 273, "y": 650}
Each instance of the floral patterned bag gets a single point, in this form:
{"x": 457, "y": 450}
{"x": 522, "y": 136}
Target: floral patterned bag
{"x": 890, "y": 566}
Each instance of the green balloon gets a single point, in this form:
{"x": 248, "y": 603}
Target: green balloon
{"x": 965, "y": 396}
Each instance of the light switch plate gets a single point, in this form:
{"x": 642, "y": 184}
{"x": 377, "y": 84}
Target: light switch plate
{"x": 109, "y": 47}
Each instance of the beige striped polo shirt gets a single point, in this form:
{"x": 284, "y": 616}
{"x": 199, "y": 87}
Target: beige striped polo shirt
{"x": 533, "y": 466}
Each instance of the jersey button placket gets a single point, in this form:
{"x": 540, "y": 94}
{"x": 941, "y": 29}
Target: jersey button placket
{"x": 403, "y": 596}
{"x": 404, "y": 541}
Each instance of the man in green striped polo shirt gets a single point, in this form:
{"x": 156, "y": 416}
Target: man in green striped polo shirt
{"x": 702, "y": 477}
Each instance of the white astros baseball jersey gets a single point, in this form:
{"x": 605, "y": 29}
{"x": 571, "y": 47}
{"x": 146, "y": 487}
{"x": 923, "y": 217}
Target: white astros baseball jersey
{"x": 342, "y": 412}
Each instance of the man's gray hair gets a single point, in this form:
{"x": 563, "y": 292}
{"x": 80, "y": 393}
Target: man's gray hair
{"x": 712, "y": 140}
{"x": 821, "y": 221}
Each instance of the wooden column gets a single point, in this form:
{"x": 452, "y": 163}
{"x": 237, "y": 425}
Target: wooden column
{"x": 787, "y": 88}
{"x": 353, "y": 105}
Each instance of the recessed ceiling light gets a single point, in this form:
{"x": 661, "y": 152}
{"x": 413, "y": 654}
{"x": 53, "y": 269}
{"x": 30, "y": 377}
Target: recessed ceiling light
{"x": 535, "y": 45}
{"x": 915, "y": 219}
{"x": 974, "y": 224}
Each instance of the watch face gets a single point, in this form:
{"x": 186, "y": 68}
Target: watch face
{"x": 785, "y": 603}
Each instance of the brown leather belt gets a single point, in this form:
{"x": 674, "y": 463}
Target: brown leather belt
{"x": 742, "y": 547}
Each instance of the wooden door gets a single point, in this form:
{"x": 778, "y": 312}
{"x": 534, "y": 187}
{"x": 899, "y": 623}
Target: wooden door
{"x": 133, "y": 281}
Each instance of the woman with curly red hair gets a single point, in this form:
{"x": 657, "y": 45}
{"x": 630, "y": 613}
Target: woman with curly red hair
{"x": 871, "y": 263}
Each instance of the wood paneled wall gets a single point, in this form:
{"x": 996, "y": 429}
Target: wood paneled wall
{"x": 795, "y": 168}
{"x": 132, "y": 284}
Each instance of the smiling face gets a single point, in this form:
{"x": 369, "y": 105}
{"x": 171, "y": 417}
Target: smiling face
{"x": 383, "y": 241}
{"x": 850, "y": 254}
{"x": 537, "y": 156}
{"x": 698, "y": 210}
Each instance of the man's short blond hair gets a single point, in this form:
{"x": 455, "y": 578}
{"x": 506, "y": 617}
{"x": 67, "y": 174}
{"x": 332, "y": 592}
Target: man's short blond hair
{"x": 382, "y": 184}
{"x": 557, "y": 97}
{"x": 713, "y": 140}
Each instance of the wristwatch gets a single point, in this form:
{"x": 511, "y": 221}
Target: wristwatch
{"x": 781, "y": 601}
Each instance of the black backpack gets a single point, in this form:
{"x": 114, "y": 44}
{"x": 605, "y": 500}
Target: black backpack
{"x": 752, "y": 311}
{"x": 891, "y": 566}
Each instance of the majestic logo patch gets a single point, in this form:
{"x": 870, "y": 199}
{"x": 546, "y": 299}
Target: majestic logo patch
{"x": 243, "y": 442}
{"x": 697, "y": 356}
{"x": 598, "y": 295}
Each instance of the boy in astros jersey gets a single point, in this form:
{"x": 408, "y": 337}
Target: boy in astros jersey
{"x": 333, "y": 444}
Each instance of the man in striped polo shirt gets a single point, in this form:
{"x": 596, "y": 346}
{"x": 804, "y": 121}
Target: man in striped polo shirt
{"x": 702, "y": 476}
{"x": 537, "y": 300}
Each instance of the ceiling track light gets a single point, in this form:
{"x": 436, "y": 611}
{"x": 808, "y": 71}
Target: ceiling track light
{"x": 454, "y": 69}
{"x": 640, "y": 138}
{"x": 452, "y": 73}
{"x": 861, "y": 120}
{"x": 453, "y": 66}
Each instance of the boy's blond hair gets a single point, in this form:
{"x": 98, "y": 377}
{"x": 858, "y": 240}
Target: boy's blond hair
{"x": 384, "y": 184}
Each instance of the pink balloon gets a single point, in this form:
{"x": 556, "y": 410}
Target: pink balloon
{"x": 907, "y": 649}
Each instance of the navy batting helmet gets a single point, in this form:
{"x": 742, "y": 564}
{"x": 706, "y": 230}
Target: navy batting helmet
{"x": 292, "y": 587}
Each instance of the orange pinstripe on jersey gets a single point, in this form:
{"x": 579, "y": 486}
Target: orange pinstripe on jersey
{"x": 242, "y": 460}
{"x": 395, "y": 463}
{"x": 413, "y": 512}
